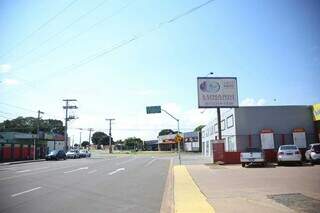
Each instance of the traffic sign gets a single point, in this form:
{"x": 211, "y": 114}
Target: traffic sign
{"x": 153, "y": 109}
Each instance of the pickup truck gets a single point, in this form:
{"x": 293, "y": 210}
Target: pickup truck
{"x": 252, "y": 156}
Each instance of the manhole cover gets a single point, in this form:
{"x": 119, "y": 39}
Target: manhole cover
{"x": 298, "y": 202}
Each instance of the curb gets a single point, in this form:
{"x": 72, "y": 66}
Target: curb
{"x": 20, "y": 162}
{"x": 167, "y": 204}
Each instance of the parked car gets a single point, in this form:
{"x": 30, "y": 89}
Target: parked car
{"x": 72, "y": 153}
{"x": 313, "y": 153}
{"x": 56, "y": 155}
{"x": 84, "y": 153}
{"x": 252, "y": 156}
{"x": 289, "y": 153}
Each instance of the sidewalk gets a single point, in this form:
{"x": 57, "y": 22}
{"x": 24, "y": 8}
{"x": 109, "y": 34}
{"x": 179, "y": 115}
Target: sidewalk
{"x": 20, "y": 162}
{"x": 187, "y": 196}
{"x": 223, "y": 191}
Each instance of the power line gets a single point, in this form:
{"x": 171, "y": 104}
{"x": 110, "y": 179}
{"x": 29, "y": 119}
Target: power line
{"x": 104, "y": 52}
{"x": 39, "y": 28}
{"x": 63, "y": 29}
{"x": 18, "y": 107}
{"x": 72, "y": 38}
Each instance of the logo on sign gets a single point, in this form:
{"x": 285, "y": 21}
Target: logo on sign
{"x": 211, "y": 87}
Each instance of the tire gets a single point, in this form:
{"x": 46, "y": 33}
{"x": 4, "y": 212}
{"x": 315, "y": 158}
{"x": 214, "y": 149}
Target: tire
{"x": 243, "y": 164}
{"x": 280, "y": 163}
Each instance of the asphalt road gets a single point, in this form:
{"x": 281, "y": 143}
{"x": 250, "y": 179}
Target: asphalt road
{"x": 124, "y": 184}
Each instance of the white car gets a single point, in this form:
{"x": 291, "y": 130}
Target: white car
{"x": 289, "y": 153}
{"x": 73, "y": 154}
{"x": 313, "y": 153}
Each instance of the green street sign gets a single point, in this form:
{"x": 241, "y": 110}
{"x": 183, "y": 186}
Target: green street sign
{"x": 153, "y": 109}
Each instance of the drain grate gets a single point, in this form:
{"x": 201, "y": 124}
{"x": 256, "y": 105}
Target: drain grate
{"x": 298, "y": 202}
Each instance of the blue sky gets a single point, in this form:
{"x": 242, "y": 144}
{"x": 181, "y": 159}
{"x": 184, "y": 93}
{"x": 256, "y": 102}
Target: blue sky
{"x": 272, "y": 47}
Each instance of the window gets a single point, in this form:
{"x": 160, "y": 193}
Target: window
{"x": 216, "y": 128}
{"x": 230, "y": 121}
{"x": 223, "y": 125}
{"x": 231, "y": 144}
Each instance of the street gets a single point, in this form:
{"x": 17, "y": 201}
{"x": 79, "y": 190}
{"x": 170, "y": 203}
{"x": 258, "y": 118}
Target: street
{"x": 111, "y": 184}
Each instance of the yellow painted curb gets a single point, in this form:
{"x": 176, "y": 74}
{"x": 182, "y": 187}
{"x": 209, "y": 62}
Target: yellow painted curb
{"x": 187, "y": 196}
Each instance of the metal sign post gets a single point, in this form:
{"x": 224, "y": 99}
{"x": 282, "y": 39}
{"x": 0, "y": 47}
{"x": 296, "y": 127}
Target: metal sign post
{"x": 157, "y": 109}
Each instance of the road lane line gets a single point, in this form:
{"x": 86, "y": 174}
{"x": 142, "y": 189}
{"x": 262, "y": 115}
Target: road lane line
{"x": 117, "y": 170}
{"x": 30, "y": 190}
{"x": 21, "y": 171}
{"x": 150, "y": 162}
{"x": 91, "y": 172}
{"x": 82, "y": 168}
{"x": 127, "y": 161}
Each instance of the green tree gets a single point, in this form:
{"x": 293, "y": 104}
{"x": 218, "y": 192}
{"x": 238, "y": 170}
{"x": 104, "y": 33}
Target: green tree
{"x": 29, "y": 125}
{"x": 85, "y": 144}
{"x": 166, "y": 132}
{"x": 100, "y": 138}
{"x": 199, "y": 128}
{"x": 133, "y": 143}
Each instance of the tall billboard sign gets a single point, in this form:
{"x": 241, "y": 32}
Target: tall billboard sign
{"x": 217, "y": 92}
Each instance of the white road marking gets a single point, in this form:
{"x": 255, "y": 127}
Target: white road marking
{"x": 150, "y": 162}
{"x": 132, "y": 159}
{"x": 115, "y": 171}
{"x": 93, "y": 171}
{"x": 30, "y": 190}
{"x": 21, "y": 171}
{"x": 82, "y": 168}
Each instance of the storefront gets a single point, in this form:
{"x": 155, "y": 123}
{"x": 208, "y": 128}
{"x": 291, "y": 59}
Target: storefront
{"x": 316, "y": 118}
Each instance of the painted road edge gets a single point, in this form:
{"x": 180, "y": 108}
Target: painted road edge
{"x": 187, "y": 195}
{"x": 167, "y": 204}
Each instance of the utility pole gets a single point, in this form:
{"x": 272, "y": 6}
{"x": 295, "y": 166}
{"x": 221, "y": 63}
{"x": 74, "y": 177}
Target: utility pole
{"x": 38, "y": 134}
{"x": 80, "y": 138}
{"x": 110, "y": 138}
{"x": 67, "y": 118}
{"x": 90, "y": 130}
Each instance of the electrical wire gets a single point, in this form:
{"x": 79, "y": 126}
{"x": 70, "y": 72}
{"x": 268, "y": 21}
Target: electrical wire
{"x": 18, "y": 44}
{"x": 72, "y": 38}
{"x": 62, "y": 30}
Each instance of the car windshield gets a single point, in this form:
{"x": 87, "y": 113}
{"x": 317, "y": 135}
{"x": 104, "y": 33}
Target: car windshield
{"x": 316, "y": 148}
{"x": 288, "y": 147}
{"x": 53, "y": 152}
{"x": 253, "y": 150}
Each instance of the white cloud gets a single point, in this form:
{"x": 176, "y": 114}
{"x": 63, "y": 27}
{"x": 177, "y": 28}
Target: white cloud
{"x": 10, "y": 82}
{"x": 4, "y": 68}
{"x": 253, "y": 102}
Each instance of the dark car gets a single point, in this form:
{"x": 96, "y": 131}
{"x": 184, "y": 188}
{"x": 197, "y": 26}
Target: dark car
{"x": 56, "y": 155}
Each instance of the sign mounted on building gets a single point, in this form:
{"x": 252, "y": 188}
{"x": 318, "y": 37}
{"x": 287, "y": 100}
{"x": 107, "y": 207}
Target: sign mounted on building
{"x": 216, "y": 92}
{"x": 316, "y": 112}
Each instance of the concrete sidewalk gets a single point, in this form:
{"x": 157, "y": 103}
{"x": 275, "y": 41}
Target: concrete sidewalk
{"x": 20, "y": 162}
{"x": 226, "y": 194}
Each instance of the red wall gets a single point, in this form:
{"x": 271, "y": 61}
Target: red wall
{"x": 6, "y": 152}
{"x": 231, "y": 157}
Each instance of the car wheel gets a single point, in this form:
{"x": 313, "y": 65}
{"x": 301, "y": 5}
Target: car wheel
{"x": 280, "y": 163}
{"x": 243, "y": 164}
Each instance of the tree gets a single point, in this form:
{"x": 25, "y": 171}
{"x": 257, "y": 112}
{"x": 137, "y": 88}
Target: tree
{"x": 199, "y": 128}
{"x": 29, "y": 125}
{"x": 133, "y": 143}
{"x": 100, "y": 138}
{"x": 85, "y": 144}
{"x": 166, "y": 132}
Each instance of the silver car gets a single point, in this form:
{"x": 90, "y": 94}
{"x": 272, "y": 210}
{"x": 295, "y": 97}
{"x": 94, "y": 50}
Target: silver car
{"x": 289, "y": 153}
{"x": 313, "y": 153}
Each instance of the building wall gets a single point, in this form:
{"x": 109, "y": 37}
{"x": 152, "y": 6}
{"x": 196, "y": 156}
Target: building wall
{"x": 282, "y": 119}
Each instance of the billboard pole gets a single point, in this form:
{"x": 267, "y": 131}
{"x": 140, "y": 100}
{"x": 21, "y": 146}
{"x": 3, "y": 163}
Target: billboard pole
{"x": 219, "y": 123}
